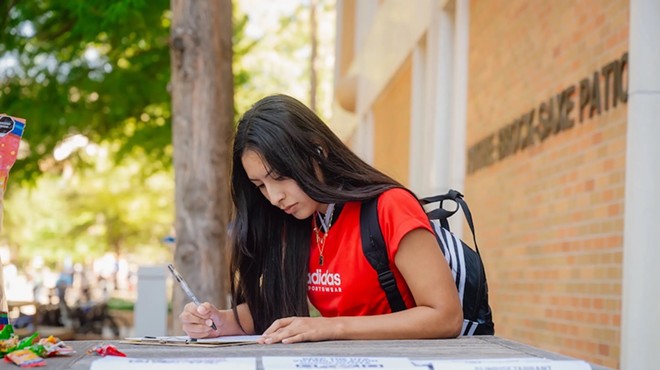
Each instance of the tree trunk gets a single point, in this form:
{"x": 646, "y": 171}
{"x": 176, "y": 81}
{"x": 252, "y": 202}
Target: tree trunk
{"x": 202, "y": 120}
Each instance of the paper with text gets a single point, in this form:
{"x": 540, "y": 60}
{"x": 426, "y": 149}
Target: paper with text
{"x": 320, "y": 362}
{"x": 187, "y": 339}
{"x": 528, "y": 363}
{"x": 127, "y": 363}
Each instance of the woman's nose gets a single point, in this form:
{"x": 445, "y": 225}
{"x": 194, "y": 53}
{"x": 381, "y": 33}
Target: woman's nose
{"x": 275, "y": 195}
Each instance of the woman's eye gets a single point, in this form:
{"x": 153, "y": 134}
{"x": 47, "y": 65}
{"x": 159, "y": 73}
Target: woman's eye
{"x": 277, "y": 177}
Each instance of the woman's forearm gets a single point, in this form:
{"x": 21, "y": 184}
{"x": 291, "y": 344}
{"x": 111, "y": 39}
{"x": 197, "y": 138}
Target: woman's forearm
{"x": 415, "y": 323}
{"x": 232, "y": 327}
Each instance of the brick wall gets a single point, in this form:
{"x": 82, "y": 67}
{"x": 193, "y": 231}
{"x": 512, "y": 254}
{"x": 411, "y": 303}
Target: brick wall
{"x": 391, "y": 114}
{"x": 549, "y": 215}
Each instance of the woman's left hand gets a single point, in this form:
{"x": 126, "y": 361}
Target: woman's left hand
{"x": 299, "y": 329}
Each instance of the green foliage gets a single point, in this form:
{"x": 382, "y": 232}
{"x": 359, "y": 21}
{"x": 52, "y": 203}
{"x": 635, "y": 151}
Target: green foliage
{"x": 96, "y": 71}
{"x": 97, "y": 68}
{"x": 286, "y": 46}
{"x": 100, "y": 70}
{"x": 87, "y": 212}
{"x": 121, "y": 304}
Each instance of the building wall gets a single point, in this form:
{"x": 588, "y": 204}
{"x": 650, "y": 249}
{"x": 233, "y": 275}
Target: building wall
{"x": 549, "y": 213}
{"x": 546, "y": 128}
{"x": 391, "y": 112}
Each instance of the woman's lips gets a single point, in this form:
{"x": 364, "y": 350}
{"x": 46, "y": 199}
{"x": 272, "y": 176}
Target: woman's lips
{"x": 289, "y": 210}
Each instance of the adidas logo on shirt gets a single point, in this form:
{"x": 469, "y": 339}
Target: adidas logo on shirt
{"x": 323, "y": 281}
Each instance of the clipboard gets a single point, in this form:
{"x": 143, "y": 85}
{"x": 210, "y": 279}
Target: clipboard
{"x": 232, "y": 340}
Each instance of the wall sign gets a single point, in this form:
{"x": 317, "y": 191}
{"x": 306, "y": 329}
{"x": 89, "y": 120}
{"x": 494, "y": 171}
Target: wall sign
{"x": 591, "y": 96}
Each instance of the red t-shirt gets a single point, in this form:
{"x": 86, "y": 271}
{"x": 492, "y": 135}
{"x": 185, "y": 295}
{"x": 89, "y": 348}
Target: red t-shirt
{"x": 346, "y": 284}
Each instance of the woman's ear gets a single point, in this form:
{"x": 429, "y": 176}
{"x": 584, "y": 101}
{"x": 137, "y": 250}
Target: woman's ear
{"x": 319, "y": 162}
{"x": 321, "y": 154}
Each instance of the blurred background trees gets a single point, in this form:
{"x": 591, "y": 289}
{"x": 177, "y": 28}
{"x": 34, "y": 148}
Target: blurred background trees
{"x": 95, "y": 173}
{"x": 91, "y": 80}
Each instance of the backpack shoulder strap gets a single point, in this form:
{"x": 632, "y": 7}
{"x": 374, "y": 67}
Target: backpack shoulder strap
{"x": 458, "y": 197}
{"x": 442, "y": 214}
{"x": 375, "y": 250}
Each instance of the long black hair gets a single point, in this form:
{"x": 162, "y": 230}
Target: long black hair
{"x": 270, "y": 249}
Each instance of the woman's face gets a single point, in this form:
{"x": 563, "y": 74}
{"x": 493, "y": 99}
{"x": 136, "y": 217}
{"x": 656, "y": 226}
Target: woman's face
{"x": 282, "y": 192}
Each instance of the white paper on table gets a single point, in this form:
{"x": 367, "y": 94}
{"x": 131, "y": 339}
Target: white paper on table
{"x": 187, "y": 339}
{"x": 217, "y": 363}
{"x": 526, "y": 363}
{"x": 323, "y": 362}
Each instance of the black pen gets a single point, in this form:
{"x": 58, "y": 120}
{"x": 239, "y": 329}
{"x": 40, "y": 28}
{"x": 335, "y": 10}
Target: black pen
{"x": 186, "y": 289}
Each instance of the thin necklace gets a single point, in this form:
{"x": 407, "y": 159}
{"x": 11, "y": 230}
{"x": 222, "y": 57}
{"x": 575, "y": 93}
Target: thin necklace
{"x": 326, "y": 222}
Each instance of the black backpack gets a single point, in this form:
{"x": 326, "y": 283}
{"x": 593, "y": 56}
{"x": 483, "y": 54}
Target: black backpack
{"x": 465, "y": 263}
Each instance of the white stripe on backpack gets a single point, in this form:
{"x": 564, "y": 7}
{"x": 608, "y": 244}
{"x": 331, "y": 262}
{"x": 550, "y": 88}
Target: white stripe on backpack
{"x": 455, "y": 257}
{"x": 469, "y": 327}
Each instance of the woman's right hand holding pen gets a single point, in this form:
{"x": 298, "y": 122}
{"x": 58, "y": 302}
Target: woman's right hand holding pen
{"x": 196, "y": 321}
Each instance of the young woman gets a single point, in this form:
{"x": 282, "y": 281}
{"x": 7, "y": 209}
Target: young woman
{"x": 296, "y": 237}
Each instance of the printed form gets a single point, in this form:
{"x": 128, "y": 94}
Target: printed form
{"x": 527, "y": 363}
{"x": 126, "y": 363}
{"x": 384, "y": 363}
